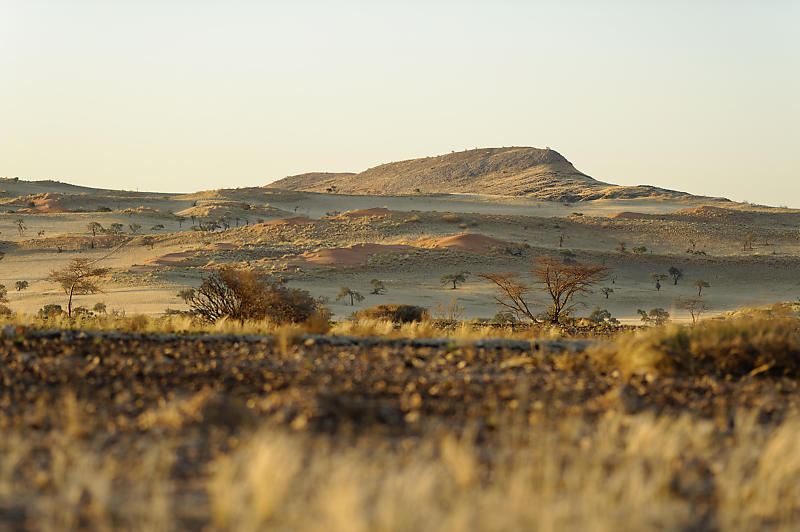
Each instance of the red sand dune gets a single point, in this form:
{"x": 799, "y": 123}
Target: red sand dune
{"x": 375, "y": 211}
{"x": 627, "y": 215}
{"x": 297, "y": 220}
{"x": 47, "y": 202}
{"x": 473, "y": 243}
{"x": 169, "y": 259}
{"x": 354, "y": 255}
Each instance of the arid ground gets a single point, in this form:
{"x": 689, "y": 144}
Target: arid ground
{"x": 137, "y": 415}
{"x": 323, "y": 241}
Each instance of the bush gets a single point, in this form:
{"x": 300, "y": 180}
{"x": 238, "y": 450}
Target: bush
{"x": 452, "y": 218}
{"x": 395, "y": 313}
{"x": 50, "y": 311}
{"x": 242, "y": 295}
{"x": 735, "y": 347}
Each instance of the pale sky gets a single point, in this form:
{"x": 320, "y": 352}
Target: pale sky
{"x": 186, "y": 95}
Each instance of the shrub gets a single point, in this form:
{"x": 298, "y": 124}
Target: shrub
{"x": 49, "y": 311}
{"x": 735, "y": 347}
{"x": 394, "y": 312}
{"x": 242, "y": 295}
{"x": 452, "y": 218}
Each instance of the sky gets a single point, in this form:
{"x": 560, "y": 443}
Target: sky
{"x": 185, "y": 95}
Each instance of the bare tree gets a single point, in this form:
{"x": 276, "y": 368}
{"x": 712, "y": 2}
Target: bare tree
{"x": 134, "y": 227}
{"x": 80, "y": 276}
{"x": 513, "y": 294}
{"x": 696, "y": 307}
{"x": 563, "y": 282}
{"x": 21, "y": 227}
{"x": 606, "y": 291}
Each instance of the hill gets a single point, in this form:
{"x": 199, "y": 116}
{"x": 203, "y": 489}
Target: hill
{"x": 515, "y": 171}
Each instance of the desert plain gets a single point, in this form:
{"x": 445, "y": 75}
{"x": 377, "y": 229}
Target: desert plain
{"x": 135, "y": 413}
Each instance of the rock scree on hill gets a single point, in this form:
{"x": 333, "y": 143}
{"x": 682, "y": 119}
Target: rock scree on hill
{"x": 514, "y": 171}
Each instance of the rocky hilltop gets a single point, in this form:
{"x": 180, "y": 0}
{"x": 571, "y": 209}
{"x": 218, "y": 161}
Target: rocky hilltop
{"x": 515, "y": 171}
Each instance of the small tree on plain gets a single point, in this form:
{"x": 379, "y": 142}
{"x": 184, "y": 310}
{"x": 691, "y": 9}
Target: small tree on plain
{"x": 80, "y": 276}
{"x": 99, "y": 308}
{"x": 606, "y": 291}
{"x": 21, "y": 285}
{"x": 135, "y": 228}
{"x": 454, "y": 278}
{"x": 345, "y": 292}
{"x": 513, "y": 294}
{"x": 21, "y": 227}
{"x": 377, "y": 287}
{"x": 563, "y": 282}
{"x": 700, "y": 284}
{"x": 656, "y": 316}
{"x": 116, "y": 228}
{"x": 696, "y": 307}
{"x": 676, "y": 274}
{"x": 657, "y": 278}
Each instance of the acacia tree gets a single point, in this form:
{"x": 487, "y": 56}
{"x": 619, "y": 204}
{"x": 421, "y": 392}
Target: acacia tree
{"x": 696, "y": 307}
{"x": 561, "y": 281}
{"x": 675, "y": 273}
{"x": 657, "y": 278}
{"x": 700, "y": 284}
{"x": 21, "y": 285}
{"x": 606, "y": 291}
{"x": 80, "y": 277}
{"x": 377, "y": 287}
{"x": 346, "y": 292}
{"x": 513, "y": 294}
{"x": 95, "y": 228}
{"x": 454, "y": 278}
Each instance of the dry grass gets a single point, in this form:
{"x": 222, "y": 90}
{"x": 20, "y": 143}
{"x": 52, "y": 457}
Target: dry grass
{"x": 625, "y": 472}
{"x": 186, "y": 434}
{"x": 732, "y": 347}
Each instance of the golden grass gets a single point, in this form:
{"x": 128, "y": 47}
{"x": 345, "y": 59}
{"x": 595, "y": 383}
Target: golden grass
{"x": 624, "y": 472}
{"x": 729, "y": 347}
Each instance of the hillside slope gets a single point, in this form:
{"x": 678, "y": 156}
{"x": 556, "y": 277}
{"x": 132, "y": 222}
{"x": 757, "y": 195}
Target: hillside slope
{"x": 515, "y": 171}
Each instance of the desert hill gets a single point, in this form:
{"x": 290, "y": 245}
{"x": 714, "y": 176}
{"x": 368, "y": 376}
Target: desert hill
{"x": 515, "y": 171}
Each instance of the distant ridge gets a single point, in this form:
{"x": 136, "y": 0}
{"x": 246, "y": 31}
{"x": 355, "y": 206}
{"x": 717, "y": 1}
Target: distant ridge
{"x": 514, "y": 171}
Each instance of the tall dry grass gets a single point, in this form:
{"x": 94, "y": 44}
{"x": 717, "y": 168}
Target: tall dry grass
{"x": 639, "y": 472}
{"x": 730, "y": 347}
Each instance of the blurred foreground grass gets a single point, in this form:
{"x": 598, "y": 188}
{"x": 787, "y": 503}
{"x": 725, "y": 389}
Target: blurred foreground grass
{"x": 675, "y": 428}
